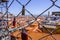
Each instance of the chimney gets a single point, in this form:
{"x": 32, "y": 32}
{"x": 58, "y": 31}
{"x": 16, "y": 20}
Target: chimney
{"x": 48, "y": 13}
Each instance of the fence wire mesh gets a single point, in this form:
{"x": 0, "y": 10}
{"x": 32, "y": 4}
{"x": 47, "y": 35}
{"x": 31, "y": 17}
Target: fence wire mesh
{"x": 4, "y": 4}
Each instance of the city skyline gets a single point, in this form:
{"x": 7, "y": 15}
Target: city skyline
{"x": 36, "y": 7}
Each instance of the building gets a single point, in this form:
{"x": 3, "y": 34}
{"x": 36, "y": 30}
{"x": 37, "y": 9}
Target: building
{"x": 3, "y": 0}
{"x": 8, "y": 17}
{"x": 56, "y": 13}
{"x": 1, "y": 14}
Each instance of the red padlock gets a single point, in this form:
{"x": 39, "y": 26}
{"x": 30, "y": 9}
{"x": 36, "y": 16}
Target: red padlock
{"x": 14, "y": 22}
{"x": 24, "y": 35}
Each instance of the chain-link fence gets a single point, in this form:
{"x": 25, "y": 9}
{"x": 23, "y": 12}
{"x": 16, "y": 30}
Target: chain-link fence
{"x": 6, "y": 30}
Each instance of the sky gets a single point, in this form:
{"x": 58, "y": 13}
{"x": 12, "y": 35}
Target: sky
{"x": 36, "y": 7}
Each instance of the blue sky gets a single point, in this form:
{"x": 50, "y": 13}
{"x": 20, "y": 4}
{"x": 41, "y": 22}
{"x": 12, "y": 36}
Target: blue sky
{"x": 35, "y": 6}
